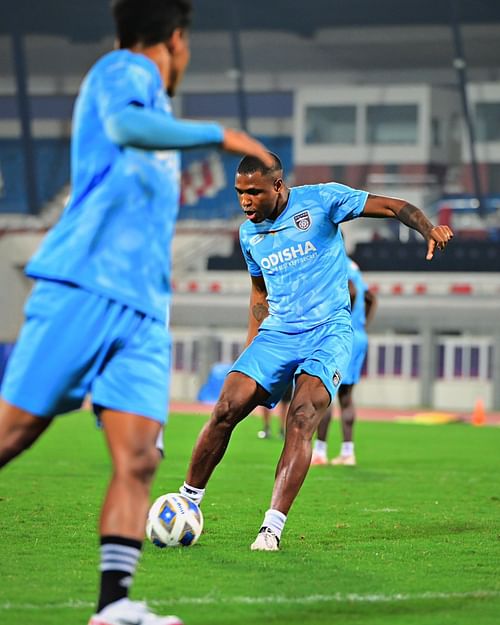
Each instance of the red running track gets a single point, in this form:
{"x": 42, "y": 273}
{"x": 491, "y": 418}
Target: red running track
{"x": 364, "y": 414}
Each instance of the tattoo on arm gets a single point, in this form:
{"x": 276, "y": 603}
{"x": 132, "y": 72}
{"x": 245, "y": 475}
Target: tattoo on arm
{"x": 414, "y": 218}
{"x": 260, "y": 311}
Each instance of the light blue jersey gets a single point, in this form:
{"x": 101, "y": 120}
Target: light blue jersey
{"x": 95, "y": 322}
{"x": 302, "y": 258}
{"x": 114, "y": 237}
{"x": 358, "y": 318}
{"x": 358, "y": 313}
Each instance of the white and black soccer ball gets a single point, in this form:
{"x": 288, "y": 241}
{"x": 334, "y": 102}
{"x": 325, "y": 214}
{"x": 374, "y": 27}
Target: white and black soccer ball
{"x": 173, "y": 521}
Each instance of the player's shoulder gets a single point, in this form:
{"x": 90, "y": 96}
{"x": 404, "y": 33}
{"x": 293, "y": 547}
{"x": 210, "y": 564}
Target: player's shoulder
{"x": 247, "y": 229}
{"x": 122, "y": 62}
{"x": 323, "y": 191}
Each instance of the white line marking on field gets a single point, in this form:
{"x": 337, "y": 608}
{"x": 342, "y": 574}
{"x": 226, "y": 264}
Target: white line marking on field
{"x": 380, "y": 510}
{"x": 273, "y": 599}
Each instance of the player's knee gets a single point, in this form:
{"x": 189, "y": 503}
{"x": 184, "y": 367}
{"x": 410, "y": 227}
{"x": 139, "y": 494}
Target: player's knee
{"x": 14, "y": 444}
{"x": 347, "y": 413}
{"x": 302, "y": 421}
{"x": 140, "y": 465}
{"x": 227, "y": 412}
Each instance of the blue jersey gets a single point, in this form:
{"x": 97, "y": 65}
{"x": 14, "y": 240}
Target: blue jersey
{"x": 302, "y": 258}
{"x": 114, "y": 236}
{"x": 358, "y": 314}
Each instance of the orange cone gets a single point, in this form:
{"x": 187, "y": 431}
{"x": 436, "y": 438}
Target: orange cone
{"x": 479, "y": 415}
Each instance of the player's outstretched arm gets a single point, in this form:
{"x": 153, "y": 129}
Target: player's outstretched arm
{"x": 239, "y": 142}
{"x": 139, "y": 127}
{"x": 259, "y": 308}
{"x": 382, "y": 206}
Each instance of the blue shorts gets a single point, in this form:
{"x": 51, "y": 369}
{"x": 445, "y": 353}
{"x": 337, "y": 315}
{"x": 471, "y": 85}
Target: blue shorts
{"x": 359, "y": 349}
{"x": 74, "y": 342}
{"x": 273, "y": 359}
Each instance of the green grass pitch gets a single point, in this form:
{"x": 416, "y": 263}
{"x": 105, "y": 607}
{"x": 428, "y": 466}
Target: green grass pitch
{"x": 409, "y": 537}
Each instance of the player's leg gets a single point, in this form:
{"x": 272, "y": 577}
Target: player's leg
{"x": 309, "y": 403}
{"x": 130, "y": 394}
{"x": 239, "y": 396}
{"x": 283, "y": 411}
{"x": 320, "y": 450}
{"x": 19, "y": 429}
{"x": 266, "y": 424}
{"x": 284, "y": 406}
{"x": 347, "y": 418}
{"x": 132, "y": 443}
{"x": 325, "y": 353}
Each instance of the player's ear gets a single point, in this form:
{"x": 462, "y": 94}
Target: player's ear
{"x": 177, "y": 40}
{"x": 278, "y": 184}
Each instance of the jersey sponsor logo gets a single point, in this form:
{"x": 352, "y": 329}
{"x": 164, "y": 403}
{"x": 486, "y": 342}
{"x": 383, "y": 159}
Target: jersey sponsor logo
{"x": 287, "y": 254}
{"x": 302, "y": 220}
{"x": 256, "y": 239}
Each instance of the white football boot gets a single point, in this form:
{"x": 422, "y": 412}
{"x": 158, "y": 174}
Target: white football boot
{"x": 266, "y": 541}
{"x": 346, "y": 461}
{"x": 126, "y": 612}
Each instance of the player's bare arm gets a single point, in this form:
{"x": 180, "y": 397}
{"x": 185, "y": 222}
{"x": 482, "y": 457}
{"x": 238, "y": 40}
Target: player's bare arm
{"x": 239, "y": 142}
{"x": 370, "y": 306}
{"x": 259, "y": 308}
{"x": 381, "y": 206}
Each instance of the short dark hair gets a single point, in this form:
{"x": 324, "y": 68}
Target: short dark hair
{"x": 149, "y": 21}
{"x": 251, "y": 164}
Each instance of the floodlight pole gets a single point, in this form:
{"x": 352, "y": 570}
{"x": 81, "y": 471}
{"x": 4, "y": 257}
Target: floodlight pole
{"x": 19, "y": 57}
{"x": 460, "y": 66}
{"x": 238, "y": 67}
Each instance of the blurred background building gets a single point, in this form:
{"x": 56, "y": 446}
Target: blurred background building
{"x": 398, "y": 98}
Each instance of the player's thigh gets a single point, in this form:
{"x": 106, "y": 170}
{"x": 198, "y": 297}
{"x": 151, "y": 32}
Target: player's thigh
{"x": 18, "y": 428}
{"x": 309, "y": 403}
{"x": 240, "y": 394}
{"x": 327, "y": 352}
{"x": 59, "y": 348}
{"x": 132, "y": 441}
{"x": 136, "y": 379}
{"x": 270, "y": 360}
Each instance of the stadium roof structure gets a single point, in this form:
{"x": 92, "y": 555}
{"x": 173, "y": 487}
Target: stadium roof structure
{"x": 90, "y": 20}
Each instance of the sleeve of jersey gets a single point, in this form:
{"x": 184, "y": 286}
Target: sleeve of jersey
{"x": 253, "y": 267}
{"x": 344, "y": 203}
{"x": 135, "y": 126}
{"x": 123, "y": 83}
{"x": 125, "y": 91}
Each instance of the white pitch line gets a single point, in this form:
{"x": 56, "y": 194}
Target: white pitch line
{"x": 274, "y": 599}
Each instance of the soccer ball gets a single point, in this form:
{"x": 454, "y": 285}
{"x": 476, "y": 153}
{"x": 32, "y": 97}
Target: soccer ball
{"x": 174, "y": 520}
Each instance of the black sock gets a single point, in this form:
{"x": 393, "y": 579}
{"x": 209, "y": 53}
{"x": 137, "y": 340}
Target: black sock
{"x": 119, "y": 557}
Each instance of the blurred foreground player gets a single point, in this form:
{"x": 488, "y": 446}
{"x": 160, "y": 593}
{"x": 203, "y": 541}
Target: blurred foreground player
{"x": 363, "y": 305}
{"x": 97, "y": 319}
{"x": 299, "y": 323}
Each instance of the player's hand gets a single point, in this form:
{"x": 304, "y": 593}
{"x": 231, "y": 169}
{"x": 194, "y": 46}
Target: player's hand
{"x": 439, "y": 237}
{"x": 239, "y": 142}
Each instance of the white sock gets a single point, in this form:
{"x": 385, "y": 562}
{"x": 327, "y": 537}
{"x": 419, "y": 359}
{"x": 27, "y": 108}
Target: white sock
{"x": 347, "y": 448}
{"x": 320, "y": 447}
{"x": 274, "y": 520}
{"x": 195, "y": 494}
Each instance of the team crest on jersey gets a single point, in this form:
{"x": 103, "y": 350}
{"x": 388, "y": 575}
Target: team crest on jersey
{"x": 302, "y": 220}
{"x": 336, "y": 378}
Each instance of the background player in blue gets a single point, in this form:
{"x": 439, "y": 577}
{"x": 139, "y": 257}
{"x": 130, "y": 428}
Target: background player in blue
{"x": 299, "y": 323}
{"x": 363, "y": 305}
{"x": 97, "y": 318}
